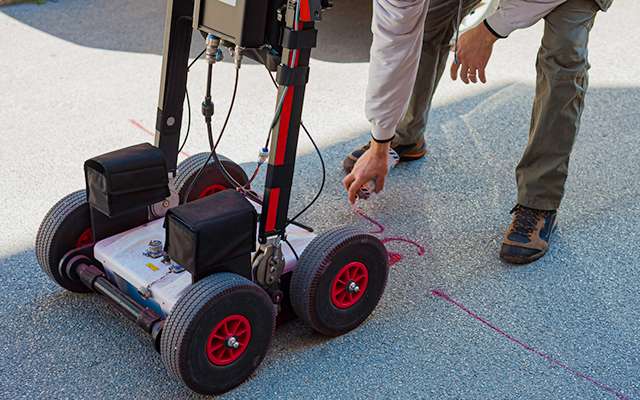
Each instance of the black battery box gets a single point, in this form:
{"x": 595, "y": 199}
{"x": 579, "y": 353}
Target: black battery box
{"x": 212, "y": 234}
{"x": 127, "y": 179}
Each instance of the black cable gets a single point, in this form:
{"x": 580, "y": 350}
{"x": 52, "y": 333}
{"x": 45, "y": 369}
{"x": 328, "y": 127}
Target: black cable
{"x": 186, "y": 93}
{"x": 292, "y": 249}
{"x": 213, "y": 154}
{"x": 186, "y": 135}
{"x": 207, "y": 100}
{"x": 196, "y": 59}
{"x": 306, "y": 131}
{"x": 324, "y": 178}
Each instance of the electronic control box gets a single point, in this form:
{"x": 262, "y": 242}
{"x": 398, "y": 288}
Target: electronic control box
{"x": 242, "y": 22}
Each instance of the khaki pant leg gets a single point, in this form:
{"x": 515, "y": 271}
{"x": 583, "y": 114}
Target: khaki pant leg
{"x": 439, "y": 29}
{"x": 562, "y": 79}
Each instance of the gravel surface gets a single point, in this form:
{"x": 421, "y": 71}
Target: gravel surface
{"x": 72, "y": 75}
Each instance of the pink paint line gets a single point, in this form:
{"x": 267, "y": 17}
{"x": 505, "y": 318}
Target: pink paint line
{"x": 371, "y": 220}
{"x": 394, "y": 257}
{"x": 152, "y": 134}
{"x": 419, "y": 247}
{"x": 444, "y": 296}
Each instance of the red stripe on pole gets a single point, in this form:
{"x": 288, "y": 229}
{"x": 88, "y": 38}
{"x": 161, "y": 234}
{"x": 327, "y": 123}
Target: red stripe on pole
{"x": 283, "y": 130}
{"x": 305, "y": 12}
{"x": 272, "y": 209}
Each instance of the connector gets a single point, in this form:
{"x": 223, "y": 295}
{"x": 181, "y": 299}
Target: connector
{"x": 237, "y": 56}
{"x": 213, "y": 53}
{"x": 207, "y": 109}
{"x": 263, "y": 154}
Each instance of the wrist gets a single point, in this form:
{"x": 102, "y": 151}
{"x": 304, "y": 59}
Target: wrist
{"x": 491, "y": 35}
{"x": 379, "y": 147}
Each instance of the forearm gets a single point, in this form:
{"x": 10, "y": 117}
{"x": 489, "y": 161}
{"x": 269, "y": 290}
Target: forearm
{"x": 518, "y": 14}
{"x": 398, "y": 28}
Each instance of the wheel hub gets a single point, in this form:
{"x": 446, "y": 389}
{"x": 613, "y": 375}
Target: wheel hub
{"x": 228, "y": 340}
{"x": 349, "y": 285}
{"x": 232, "y": 342}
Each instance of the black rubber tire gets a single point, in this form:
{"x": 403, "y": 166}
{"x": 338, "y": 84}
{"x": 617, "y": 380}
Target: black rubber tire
{"x": 197, "y": 312}
{"x": 58, "y": 233}
{"x": 320, "y": 262}
{"x": 212, "y": 175}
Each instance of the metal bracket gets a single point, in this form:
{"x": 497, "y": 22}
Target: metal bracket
{"x": 268, "y": 263}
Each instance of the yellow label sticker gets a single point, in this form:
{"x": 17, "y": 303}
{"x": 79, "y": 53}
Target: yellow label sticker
{"x": 151, "y": 266}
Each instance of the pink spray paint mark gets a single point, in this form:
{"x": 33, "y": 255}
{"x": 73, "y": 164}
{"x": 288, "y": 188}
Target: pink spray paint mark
{"x": 418, "y": 246}
{"x": 148, "y": 132}
{"x": 371, "y": 220}
{"x": 444, "y": 296}
{"x": 394, "y": 257}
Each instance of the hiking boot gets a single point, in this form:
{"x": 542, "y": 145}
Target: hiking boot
{"x": 528, "y": 236}
{"x": 409, "y": 152}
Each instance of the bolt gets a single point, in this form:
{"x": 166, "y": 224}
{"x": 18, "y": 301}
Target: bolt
{"x": 171, "y": 121}
{"x": 232, "y": 342}
{"x": 353, "y": 287}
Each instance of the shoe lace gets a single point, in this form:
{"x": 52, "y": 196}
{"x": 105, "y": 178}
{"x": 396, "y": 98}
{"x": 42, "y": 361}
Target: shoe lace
{"x": 526, "y": 219}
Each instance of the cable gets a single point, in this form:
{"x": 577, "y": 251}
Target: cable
{"x": 186, "y": 93}
{"x": 207, "y": 102}
{"x": 306, "y": 131}
{"x": 324, "y": 177}
{"x": 295, "y": 254}
{"x": 186, "y": 135}
{"x": 213, "y": 154}
{"x": 196, "y": 59}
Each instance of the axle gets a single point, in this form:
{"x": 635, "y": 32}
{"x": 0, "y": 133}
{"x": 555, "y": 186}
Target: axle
{"x": 93, "y": 278}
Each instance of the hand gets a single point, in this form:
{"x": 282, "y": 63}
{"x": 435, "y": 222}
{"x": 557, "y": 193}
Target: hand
{"x": 372, "y": 165}
{"x": 474, "y": 51}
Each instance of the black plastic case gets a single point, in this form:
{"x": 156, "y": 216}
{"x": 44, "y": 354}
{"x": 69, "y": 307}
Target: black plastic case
{"x": 127, "y": 179}
{"x": 212, "y": 234}
{"x": 243, "y": 22}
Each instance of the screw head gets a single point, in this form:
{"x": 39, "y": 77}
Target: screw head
{"x": 232, "y": 342}
{"x": 171, "y": 121}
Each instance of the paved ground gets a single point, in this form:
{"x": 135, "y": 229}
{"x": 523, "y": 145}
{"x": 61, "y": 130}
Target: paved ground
{"x": 72, "y": 74}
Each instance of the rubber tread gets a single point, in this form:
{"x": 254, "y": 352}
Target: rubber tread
{"x": 189, "y": 167}
{"x": 314, "y": 261}
{"x": 46, "y": 236}
{"x": 179, "y": 324}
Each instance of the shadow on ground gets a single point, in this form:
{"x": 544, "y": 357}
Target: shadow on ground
{"x": 137, "y": 26}
{"x": 576, "y": 304}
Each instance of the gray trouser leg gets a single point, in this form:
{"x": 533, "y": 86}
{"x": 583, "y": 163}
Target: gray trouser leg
{"x": 439, "y": 29}
{"x": 562, "y": 81}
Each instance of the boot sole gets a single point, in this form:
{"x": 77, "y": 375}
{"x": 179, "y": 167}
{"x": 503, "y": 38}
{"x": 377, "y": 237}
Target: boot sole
{"x": 522, "y": 260}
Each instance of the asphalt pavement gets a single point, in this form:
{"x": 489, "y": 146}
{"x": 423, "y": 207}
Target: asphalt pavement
{"x": 75, "y": 74}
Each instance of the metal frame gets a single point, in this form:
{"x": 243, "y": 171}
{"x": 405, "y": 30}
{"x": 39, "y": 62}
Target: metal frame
{"x": 175, "y": 60}
{"x": 284, "y": 141}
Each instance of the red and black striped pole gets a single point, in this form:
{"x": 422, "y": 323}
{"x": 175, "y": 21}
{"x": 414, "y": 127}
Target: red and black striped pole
{"x": 298, "y": 39}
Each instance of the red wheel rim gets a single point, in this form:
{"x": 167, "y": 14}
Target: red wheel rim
{"x": 211, "y": 189}
{"x": 85, "y": 238}
{"x": 349, "y": 285}
{"x": 228, "y": 340}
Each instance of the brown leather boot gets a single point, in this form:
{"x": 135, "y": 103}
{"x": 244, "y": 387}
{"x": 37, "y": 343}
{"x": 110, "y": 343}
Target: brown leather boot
{"x": 528, "y": 236}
